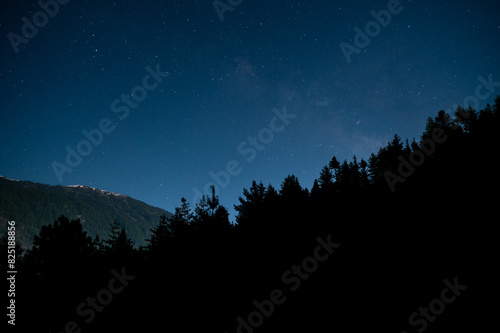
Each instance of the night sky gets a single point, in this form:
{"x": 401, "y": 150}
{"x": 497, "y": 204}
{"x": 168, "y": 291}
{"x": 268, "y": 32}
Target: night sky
{"x": 169, "y": 93}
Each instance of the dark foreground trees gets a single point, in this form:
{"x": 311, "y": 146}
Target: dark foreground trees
{"x": 199, "y": 272}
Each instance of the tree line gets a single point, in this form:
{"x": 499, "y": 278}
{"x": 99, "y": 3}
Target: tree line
{"x": 198, "y": 270}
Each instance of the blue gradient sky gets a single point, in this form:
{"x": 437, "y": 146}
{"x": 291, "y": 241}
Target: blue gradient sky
{"x": 224, "y": 79}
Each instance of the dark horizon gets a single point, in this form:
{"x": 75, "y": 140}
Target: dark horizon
{"x": 259, "y": 270}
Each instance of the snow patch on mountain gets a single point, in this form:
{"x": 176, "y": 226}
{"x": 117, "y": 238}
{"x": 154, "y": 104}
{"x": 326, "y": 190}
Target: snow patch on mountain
{"x": 96, "y": 189}
{"x": 14, "y": 180}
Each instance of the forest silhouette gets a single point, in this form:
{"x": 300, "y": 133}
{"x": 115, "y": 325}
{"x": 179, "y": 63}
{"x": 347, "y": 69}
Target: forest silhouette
{"x": 404, "y": 224}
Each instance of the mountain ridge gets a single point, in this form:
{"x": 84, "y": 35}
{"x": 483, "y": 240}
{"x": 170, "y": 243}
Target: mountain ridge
{"x": 33, "y": 205}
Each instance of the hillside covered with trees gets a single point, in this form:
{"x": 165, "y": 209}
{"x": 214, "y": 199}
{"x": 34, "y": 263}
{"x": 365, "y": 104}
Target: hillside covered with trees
{"x": 37, "y": 205}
